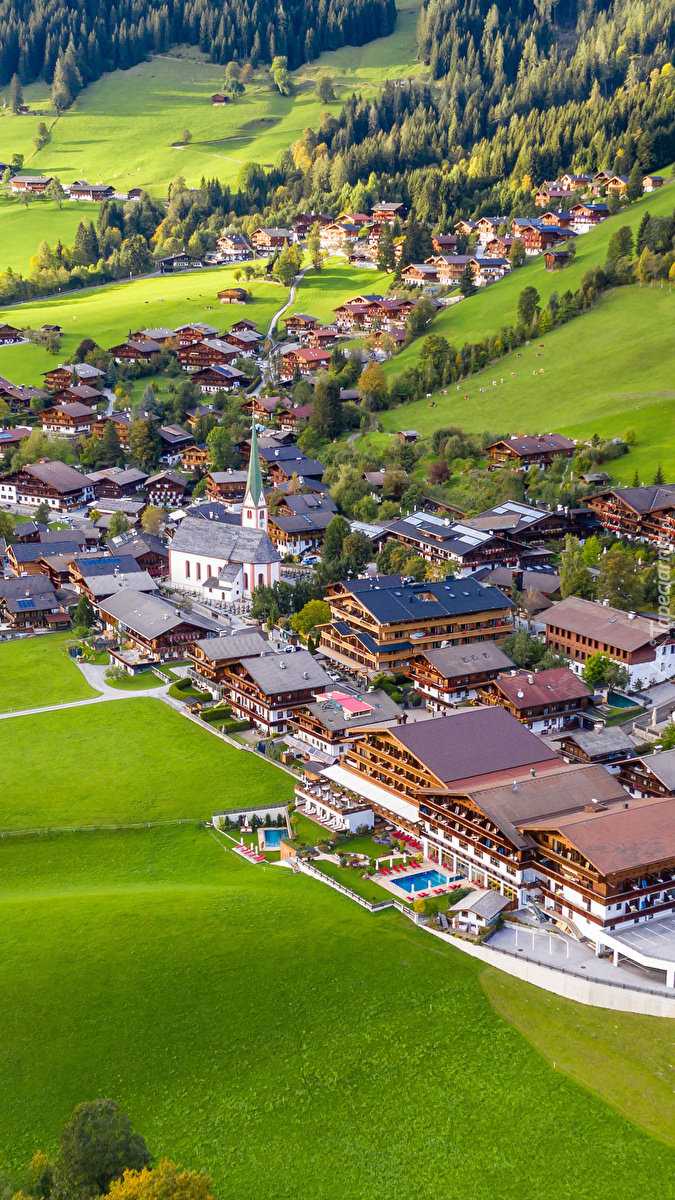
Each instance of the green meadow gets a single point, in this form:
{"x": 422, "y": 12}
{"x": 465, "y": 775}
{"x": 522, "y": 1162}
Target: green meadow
{"x": 108, "y": 313}
{"x": 122, "y": 128}
{"x": 128, "y": 760}
{"x": 322, "y": 291}
{"x": 23, "y": 228}
{"x": 36, "y": 671}
{"x": 262, "y": 1027}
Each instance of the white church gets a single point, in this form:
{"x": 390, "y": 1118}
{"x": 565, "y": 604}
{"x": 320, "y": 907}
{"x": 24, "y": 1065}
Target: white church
{"x": 224, "y": 561}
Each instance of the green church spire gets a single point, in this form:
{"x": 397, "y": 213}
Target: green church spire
{"x": 254, "y": 483}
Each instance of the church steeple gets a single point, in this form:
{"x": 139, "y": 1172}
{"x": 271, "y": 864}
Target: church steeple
{"x": 254, "y": 509}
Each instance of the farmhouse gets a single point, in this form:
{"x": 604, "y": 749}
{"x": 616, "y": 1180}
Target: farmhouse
{"x": 637, "y": 514}
{"x": 452, "y": 674}
{"x": 579, "y": 628}
{"x": 211, "y": 657}
{"x": 209, "y": 352}
{"x": 79, "y": 393}
{"x": 141, "y": 351}
{"x": 379, "y": 623}
{"x": 115, "y": 483}
{"x": 525, "y": 452}
{"x": 453, "y": 543}
{"x": 233, "y": 295}
{"x": 174, "y": 440}
{"x": 68, "y": 375}
{"x": 90, "y": 191}
{"x": 35, "y": 184}
{"x": 267, "y": 240}
{"x": 54, "y": 483}
{"x": 219, "y": 99}
{"x": 226, "y": 485}
{"x": 9, "y": 335}
{"x": 196, "y": 332}
{"x": 99, "y": 578}
{"x": 167, "y": 489}
{"x": 30, "y": 602}
{"x": 388, "y": 211}
{"x": 148, "y": 551}
{"x": 587, "y": 216}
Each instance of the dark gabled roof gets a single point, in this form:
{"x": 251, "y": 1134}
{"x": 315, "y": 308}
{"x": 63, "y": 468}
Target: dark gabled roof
{"x": 389, "y": 603}
{"x": 36, "y": 550}
{"x": 138, "y": 544}
{"x": 630, "y": 835}
{"x": 27, "y": 585}
{"x": 662, "y": 766}
{"x": 457, "y": 661}
{"x": 535, "y": 444}
{"x": 105, "y": 564}
{"x": 644, "y": 499}
{"x": 58, "y": 475}
{"x": 275, "y": 673}
{"x": 473, "y": 742}
{"x": 610, "y": 626}
{"x": 234, "y": 647}
{"x": 149, "y": 616}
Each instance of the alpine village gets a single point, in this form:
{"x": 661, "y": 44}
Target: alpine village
{"x": 337, "y": 623}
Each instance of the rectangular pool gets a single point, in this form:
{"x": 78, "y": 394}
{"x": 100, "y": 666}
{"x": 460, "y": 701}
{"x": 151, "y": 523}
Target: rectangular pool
{"x": 420, "y": 882}
{"x": 273, "y": 838}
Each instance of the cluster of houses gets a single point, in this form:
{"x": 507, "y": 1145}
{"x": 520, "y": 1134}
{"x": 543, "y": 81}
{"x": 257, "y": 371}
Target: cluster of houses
{"x": 36, "y": 185}
{"x": 602, "y": 183}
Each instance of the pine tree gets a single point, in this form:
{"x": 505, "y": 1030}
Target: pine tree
{"x": 110, "y": 444}
{"x": 326, "y": 416}
{"x": 386, "y": 254}
{"x": 636, "y": 479}
{"x": 659, "y": 478}
{"x": 15, "y": 94}
{"x": 634, "y": 187}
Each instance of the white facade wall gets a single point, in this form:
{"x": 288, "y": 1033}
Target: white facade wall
{"x": 644, "y": 674}
{"x": 192, "y": 570}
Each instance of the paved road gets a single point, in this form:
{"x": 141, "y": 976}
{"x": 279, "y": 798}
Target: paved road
{"x": 95, "y": 676}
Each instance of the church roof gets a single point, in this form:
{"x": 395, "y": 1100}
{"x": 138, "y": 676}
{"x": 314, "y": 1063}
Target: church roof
{"x": 218, "y": 540}
{"x": 254, "y": 483}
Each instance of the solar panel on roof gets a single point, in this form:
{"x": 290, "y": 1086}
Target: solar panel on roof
{"x": 24, "y": 604}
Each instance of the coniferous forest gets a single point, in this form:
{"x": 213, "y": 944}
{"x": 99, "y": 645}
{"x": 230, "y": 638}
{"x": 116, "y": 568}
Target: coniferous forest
{"x": 99, "y": 36}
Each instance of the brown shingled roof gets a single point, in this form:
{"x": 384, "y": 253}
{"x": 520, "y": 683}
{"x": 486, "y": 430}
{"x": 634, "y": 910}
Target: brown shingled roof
{"x": 547, "y": 687}
{"x": 635, "y": 834}
{"x": 606, "y": 625}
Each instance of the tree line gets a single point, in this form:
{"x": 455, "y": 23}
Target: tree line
{"x": 76, "y": 43}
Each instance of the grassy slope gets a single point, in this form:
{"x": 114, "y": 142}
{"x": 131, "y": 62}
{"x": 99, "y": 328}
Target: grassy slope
{"x": 35, "y": 672}
{"x": 604, "y": 371}
{"x": 24, "y": 228}
{"x": 107, "y": 314}
{"x": 626, "y": 1059}
{"x": 320, "y": 293}
{"x": 123, "y": 762}
{"x": 260, "y": 1026}
{"x": 121, "y": 128}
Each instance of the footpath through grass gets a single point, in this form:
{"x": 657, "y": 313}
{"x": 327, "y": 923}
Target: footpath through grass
{"x": 36, "y": 672}
{"x": 123, "y": 762}
{"x": 264, "y": 1028}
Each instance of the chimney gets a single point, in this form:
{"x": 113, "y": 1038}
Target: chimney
{"x": 530, "y": 680}
{"x": 605, "y": 603}
{"x": 632, "y": 616}
{"x": 532, "y": 772}
{"x": 515, "y": 786}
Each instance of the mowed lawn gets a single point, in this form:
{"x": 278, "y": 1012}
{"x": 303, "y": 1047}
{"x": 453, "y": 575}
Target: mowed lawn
{"x": 626, "y": 1059}
{"x": 129, "y": 760}
{"x": 106, "y": 314}
{"x": 37, "y": 671}
{"x": 262, "y": 1027}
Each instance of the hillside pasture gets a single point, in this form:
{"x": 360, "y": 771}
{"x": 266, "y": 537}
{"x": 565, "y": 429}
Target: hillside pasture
{"x": 106, "y": 314}
{"x": 320, "y": 292}
{"x": 23, "y": 228}
{"x": 259, "y": 1026}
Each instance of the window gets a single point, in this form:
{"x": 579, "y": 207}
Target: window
{"x": 199, "y": 570}
{"x": 245, "y": 581}
{"x": 187, "y": 568}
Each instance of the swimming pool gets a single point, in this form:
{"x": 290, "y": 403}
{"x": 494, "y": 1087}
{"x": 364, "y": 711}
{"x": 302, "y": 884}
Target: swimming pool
{"x": 421, "y": 881}
{"x": 273, "y": 838}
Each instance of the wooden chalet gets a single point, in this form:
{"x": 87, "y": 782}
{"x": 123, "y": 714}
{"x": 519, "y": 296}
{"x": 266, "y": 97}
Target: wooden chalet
{"x": 263, "y": 408}
{"x": 186, "y": 335}
{"x": 93, "y": 192}
{"x": 246, "y": 341}
{"x": 290, "y": 419}
{"x": 644, "y": 514}
{"x": 300, "y": 323}
{"x": 444, "y": 243}
{"x": 387, "y": 212}
{"x": 151, "y": 628}
{"x": 266, "y": 240}
{"x": 521, "y": 453}
{"x": 452, "y": 675}
{"x": 196, "y": 459}
{"x": 267, "y": 689}
{"x": 212, "y": 657}
{"x": 228, "y": 485}
{"x": 167, "y": 489}
{"x": 219, "y": 378}
{"x": 608, "y": 745}
{"x": 651, "y": 774}
{"x": 55, "y": 483}
{"x": 35, "y": 184}
{"x": 211, "y": 352}
{"x": 68, "y": 420}
{"x": 220, "y": 99}
{"x": 235, "y": 247}
{"x": 561, "y": 220}
{"x": 65, "y": 376}
{"x": 118, "y": 483}
{"x": 131, "y": 351}
{"x": 148, "y": 551}
{"x": 378, "y": 624}
{"x": 549, "y": 194}
{"x": 544, "y": 701}
{"x": 555, "y": 260}
{"x": 306, "y": 360}
{"x": 587, "y": 216}
{"x": 537, "y": 237}
{"x": 651, "y": 183}
{"x": 30, "y": 603}
{"x": 78, "y": 393}
{"x": 9, "y": 334}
